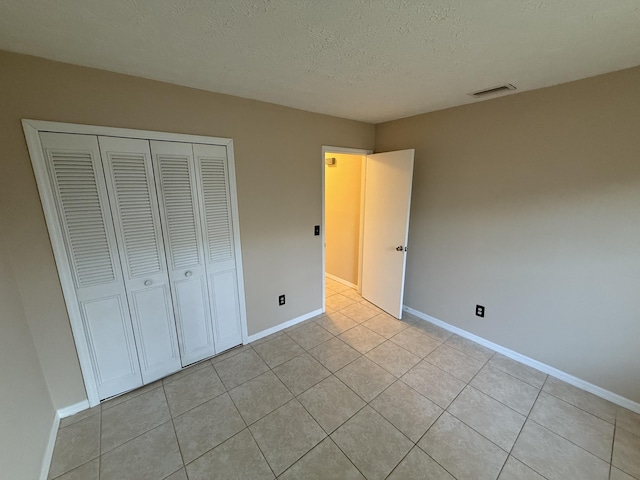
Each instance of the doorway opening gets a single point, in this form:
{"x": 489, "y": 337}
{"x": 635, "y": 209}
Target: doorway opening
{"x": 366, "y": 201}
{"x": 343, "y": 173}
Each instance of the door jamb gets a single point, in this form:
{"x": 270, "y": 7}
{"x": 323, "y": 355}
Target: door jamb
{"x": 350, "y": 151}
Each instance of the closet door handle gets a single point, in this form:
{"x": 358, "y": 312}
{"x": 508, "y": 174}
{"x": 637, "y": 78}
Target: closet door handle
{"x": 147, "y": 283}
{"x": 188, "y": 273}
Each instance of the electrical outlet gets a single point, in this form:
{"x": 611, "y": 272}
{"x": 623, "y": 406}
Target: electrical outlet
{"x": 316, "y": 230}
{"x": 281, "y": 300}
{"x": 479, "y": 311}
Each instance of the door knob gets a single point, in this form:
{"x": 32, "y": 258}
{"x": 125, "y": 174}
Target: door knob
{"x": 188, "y": 273}
{"x": 400, "y": 248}
{"x": 147, "y": 283}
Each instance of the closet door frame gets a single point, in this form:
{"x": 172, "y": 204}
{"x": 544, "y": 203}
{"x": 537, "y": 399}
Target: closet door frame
{"x": 31, "y": 129}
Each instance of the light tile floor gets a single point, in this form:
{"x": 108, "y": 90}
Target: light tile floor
{"x": 353, "y": 394}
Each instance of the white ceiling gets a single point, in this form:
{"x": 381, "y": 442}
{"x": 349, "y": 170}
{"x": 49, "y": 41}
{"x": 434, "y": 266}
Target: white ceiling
{"x": 370, "y": 60}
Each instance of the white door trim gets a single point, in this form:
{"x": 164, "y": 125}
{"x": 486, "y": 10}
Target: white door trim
{"x": 32, "y": 128}
{"x": 352, "y": 151}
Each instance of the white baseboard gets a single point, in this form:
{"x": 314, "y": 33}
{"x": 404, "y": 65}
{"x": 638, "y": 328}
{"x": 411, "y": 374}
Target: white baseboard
{"x": 554, "y": 372}
{"x": 60, "y": 414}
{"x": 340, "y": 280}
{"x": 73, "y": 409}
{"x": 282, "y": 326}
{"x": 48, "y": 452}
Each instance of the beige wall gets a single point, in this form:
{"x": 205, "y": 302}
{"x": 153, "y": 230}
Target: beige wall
{"x": 342, "y": 216}
{"x": 530, "y": 205}
{"x": 26, "y": 411}
{"x": 279, "y": 188}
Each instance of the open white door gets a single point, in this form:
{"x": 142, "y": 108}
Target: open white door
{"x": 386, "y": 228}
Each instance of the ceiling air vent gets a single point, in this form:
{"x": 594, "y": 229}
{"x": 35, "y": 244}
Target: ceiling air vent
{"x": 493, "y": 90}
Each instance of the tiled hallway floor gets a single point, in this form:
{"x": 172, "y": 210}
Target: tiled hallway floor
{"x": 353, "y": 394}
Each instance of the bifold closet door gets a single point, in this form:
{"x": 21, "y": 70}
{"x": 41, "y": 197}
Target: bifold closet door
{"x": 134, "y": 206}
{"x": 180, "y": 213}
{"x": 84, "y": 216}
{"x": 215, "y": 197}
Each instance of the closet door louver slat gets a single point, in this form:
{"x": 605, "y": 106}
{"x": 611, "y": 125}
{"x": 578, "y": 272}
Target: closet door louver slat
{"x": 80, "y": 205}
{"x": 79, "y": 191}
{"x": 216, "y": 208}
{"x": 179, "y": 210}
{"x": 138, "y": 228}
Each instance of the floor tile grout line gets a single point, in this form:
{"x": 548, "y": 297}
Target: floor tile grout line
{"x": 102, "y": 454}
{"x": 308, "y": 388}
{"x": 305, "y": 409}
{"x": 249, "y": 424}
{"x": 613, "y": 443}
{"x": 213, "y": 448}
{"x": 366, "y": 404}
{"x": 455, "y": 347}
{"x": 481, "y": 434}
{"x": 350, "y": 417}
{"x": 196, "y": 406}
{"x": 170, "y": 419}
{"x": 187, "y": 371}
{"x": 568, "y": 440}
{"x": 452, "y": 374}
{"x": 100, "y": 447}
{"x": 307, "y": 352}
{"x": 99, "y": 406}
{"x": 184, "y": 464}
{"x": 317, "y": 318}
{"x": 576, "y": 406}
{"x": 500, "y": 401}
{"x": 423, "y": 396}
{"x": 509, "y": 453}
{"x": 436, "y": 461}
{"x": 304, "y": 323}
{"x": 468, "y": 384}
{"x": 328, "y": 437}
{"x": 346, "y": 364}
{"x": 520, "y": 433}
{"x": 515, "y": 376}
{"x": 173, "y": 424}
{"x": 561, "y": 436}
{"x": 161, "y": 382}
{"x": 523, "y": 425}
{"x": 342, "y": 451}
{"x": 103, "y": 402}
{"x": 625, "y": 472}
{"x": 261, "y": 452}
{"x": 423, "y": 435}
{"x": 383, "y": 367}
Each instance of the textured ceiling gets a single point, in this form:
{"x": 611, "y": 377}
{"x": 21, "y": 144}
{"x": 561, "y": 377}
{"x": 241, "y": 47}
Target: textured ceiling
{"x": 371, "y": 60}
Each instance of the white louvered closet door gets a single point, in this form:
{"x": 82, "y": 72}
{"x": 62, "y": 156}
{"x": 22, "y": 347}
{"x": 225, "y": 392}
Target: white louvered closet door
{"x": 176, "y": 182}
{"x": 134, "y": 206}
{"x": 215, "y": 198}
{"x": 78, "y": 186}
